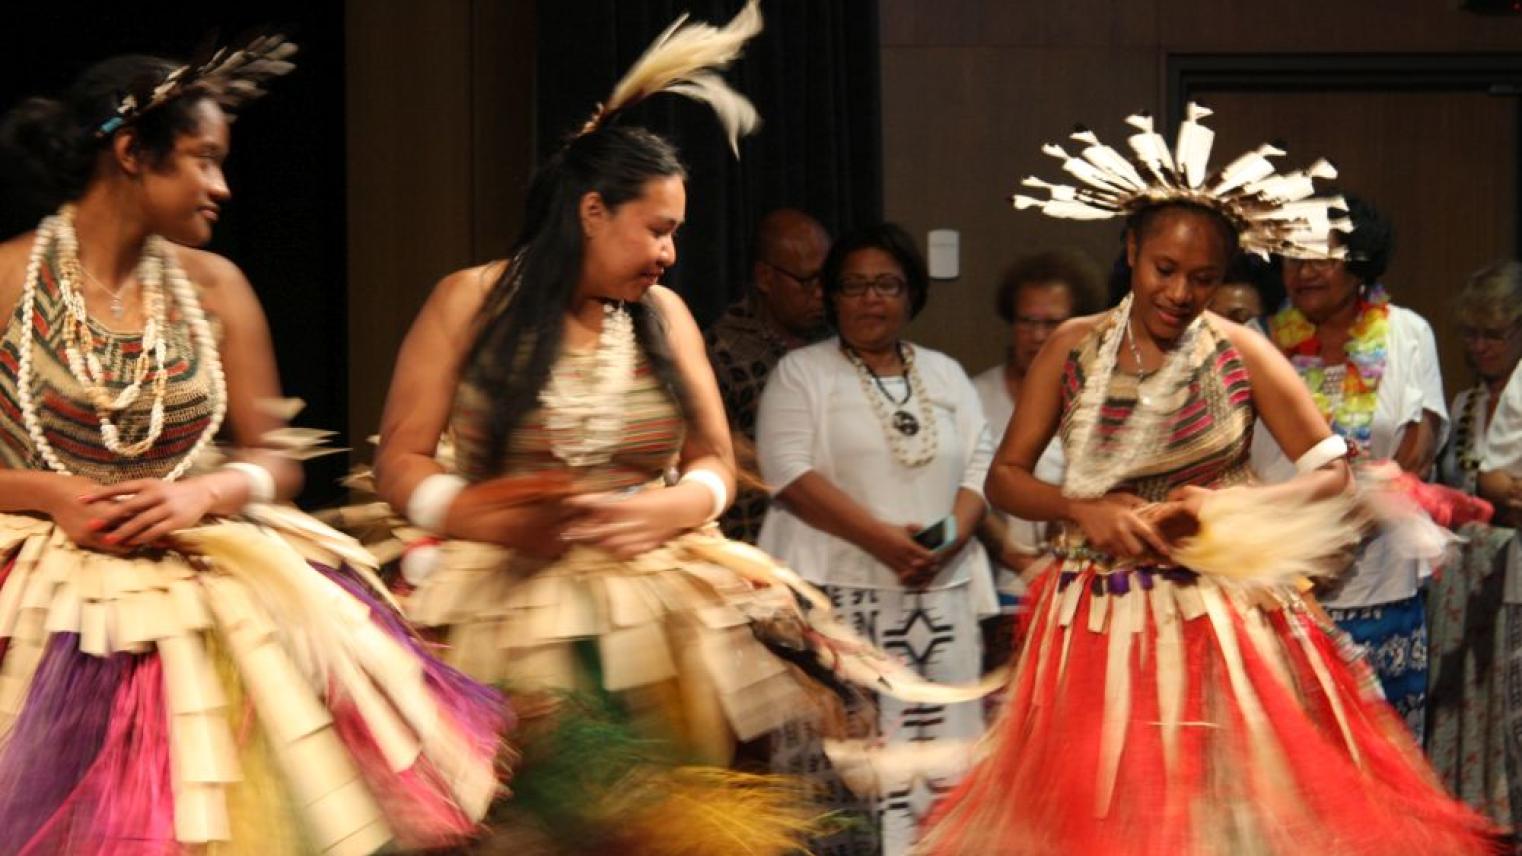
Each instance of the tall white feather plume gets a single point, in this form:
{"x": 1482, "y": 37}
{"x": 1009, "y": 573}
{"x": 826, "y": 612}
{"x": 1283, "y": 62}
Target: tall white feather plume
{"x": 685, "y": 59}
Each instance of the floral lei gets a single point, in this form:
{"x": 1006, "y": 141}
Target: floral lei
{"x": 1367, "y": 349}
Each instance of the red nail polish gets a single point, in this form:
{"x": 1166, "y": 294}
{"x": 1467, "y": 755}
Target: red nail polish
{"x": 95, "y": 524}
{"x": 111, "y": 539}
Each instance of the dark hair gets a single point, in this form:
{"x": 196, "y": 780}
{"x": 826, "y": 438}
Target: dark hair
{"x": 49, "y": 146}
{"x": 891, "y": 239}
{"x": 1264, "y": 276}
{"x": 1141, "y": 223}
{"x": 1072, "y": 270}
{"x": 1371, "y": 242}
{"x": 523, "y": 321}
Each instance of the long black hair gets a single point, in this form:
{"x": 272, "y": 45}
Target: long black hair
{"x": 522, "y": 324}
{"x": 49, "y": 146}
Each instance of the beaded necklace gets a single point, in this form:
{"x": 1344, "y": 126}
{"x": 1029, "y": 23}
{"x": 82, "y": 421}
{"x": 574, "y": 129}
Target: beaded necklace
{"x": 1463, "y": 433}
{"x": 585, "y": 415}
{"x": 912, "y": 438}
{"x": 156, "y": 268}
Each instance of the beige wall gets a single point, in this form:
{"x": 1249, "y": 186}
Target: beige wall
{"x": 972, "y": 89}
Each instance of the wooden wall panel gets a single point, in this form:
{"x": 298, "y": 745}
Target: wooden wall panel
{"x": 439, "y": 150}
{"x": 971, "y": 89}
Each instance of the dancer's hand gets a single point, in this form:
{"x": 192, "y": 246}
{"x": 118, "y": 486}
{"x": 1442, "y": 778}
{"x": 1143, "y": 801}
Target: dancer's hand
{"x": 80, "y": 518}
{"x": 626, "y": 525}
{"x": 1116, "y": 524}
{"x": 894, "y": 546}
{"x": 145, "y": 510}
{"x": 1191, "y": 497}
{"x": 480, "y": 513}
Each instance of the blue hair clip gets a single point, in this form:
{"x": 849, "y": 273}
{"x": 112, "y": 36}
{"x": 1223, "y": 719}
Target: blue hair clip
{"x": 110, "y": 126}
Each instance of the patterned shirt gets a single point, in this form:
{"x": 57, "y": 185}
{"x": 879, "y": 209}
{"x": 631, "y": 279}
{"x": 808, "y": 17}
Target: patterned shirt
{"x": 743, "y": 350}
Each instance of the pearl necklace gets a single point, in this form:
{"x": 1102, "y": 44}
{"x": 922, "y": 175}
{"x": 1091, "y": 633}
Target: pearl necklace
{"x": 585, "y": 416}
{"x": 156, "y": 267}
{"x": 912, "y": 440}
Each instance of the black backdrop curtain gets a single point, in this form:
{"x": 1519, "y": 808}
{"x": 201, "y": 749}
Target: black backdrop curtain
{"x": 284, "y": 225}
{"x": 813, "y": 75}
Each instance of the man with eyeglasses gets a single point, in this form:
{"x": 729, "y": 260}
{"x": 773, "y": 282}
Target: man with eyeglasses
{"x": 783, "y": 309}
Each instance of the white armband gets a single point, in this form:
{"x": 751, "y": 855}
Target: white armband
{"x": 715, "y": 485}
{"x": 261, "y": 483}
{"x": 430, "y": 500}
{"x": 1321, "y": 454}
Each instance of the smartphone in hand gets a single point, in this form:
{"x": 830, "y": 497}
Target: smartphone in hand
{"x": 937, "y": 535}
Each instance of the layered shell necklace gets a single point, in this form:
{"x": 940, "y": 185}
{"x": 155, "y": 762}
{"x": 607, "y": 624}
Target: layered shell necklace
{"x": 584, "y": 411}
{"x": 82, "y": 348}
{"x": 912, "y": 438}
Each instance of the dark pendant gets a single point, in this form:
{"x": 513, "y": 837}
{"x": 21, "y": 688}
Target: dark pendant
{"x": 905, "y": 423}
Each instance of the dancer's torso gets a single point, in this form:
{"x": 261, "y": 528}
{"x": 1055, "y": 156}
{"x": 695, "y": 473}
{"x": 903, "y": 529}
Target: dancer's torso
{"x": 67, "y": 417}
{"x": 648, "y": 444}
{"x": 1207, "y": 435}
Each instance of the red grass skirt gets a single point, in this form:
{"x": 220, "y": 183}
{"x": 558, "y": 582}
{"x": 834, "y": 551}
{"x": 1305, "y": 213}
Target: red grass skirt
{"x": 1161, "y": 713}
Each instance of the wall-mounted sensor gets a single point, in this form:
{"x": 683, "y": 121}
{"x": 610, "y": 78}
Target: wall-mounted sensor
{"x": 944, "y": 246}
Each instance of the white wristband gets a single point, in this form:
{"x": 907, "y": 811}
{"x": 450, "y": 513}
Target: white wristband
{"x": 430, "y": 500}
{"x": 715, "y": 485}
{"x": 261, "y": 484}
{"x": 1321, "y": 454}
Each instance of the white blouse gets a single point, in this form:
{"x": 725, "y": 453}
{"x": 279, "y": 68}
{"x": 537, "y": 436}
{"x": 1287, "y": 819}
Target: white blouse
{"x": 999, "y": 408}
{"x": 1412, "y": 383}
{"x": 815, "y": 416}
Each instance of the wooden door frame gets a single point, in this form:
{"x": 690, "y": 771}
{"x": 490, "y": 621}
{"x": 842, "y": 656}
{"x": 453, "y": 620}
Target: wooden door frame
{"x": 1194, "y": 76}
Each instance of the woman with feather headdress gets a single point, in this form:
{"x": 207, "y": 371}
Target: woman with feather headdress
{"x": 592, "y": 455}
{"x": 185, "y": 666}
{"x": 1178, "y": 690}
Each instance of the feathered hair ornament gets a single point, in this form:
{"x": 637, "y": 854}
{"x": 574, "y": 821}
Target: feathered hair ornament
{"x": 228, "y": 75}
{"x": 685, "y": 59}
{"x": 1274, "y": 214}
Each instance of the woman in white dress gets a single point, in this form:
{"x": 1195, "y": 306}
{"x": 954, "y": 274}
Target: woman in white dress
{"x": 867, "y": 440}
{"x": 1472, "y": 636}
{"x": 1372, "y": 368}
{"x": 1039, "y": 292}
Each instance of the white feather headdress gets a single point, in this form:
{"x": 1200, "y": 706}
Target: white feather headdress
{"x": 1273, "y": 213}
{"x": 685, "y": 59}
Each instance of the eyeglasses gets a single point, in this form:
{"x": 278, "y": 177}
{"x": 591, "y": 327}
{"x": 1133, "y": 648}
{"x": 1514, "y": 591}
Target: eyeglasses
{"x": 1487, "y": 334}
{"x": 886, "y": 285}
{"x": 1046, "y": 324}
{"x": 810, "y": 281}
{"x": 1312, "y": 265}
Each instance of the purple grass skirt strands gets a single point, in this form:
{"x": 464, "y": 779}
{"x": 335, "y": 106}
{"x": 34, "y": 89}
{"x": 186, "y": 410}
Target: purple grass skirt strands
{"x": 251, "y": 689}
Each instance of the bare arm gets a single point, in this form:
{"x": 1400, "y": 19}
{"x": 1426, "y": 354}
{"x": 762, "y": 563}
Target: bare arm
{"x": 423, "y": 384}
{"x": 1290, "y": 414}
{"x": 1012, "y": 485}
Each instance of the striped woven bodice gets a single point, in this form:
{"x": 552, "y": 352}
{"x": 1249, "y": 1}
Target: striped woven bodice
{"x": 68, "y": 418}
{"x": 1208, "y": 432}
{"x": 652, "y": 435}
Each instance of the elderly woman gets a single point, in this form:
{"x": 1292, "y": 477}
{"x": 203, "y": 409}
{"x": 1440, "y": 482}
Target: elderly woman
{"x": 877, "y": 451}
{"x": 1468, "y": 624}
{"x": 1372, "y": 370}
{"x": 1039, "y": 292}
